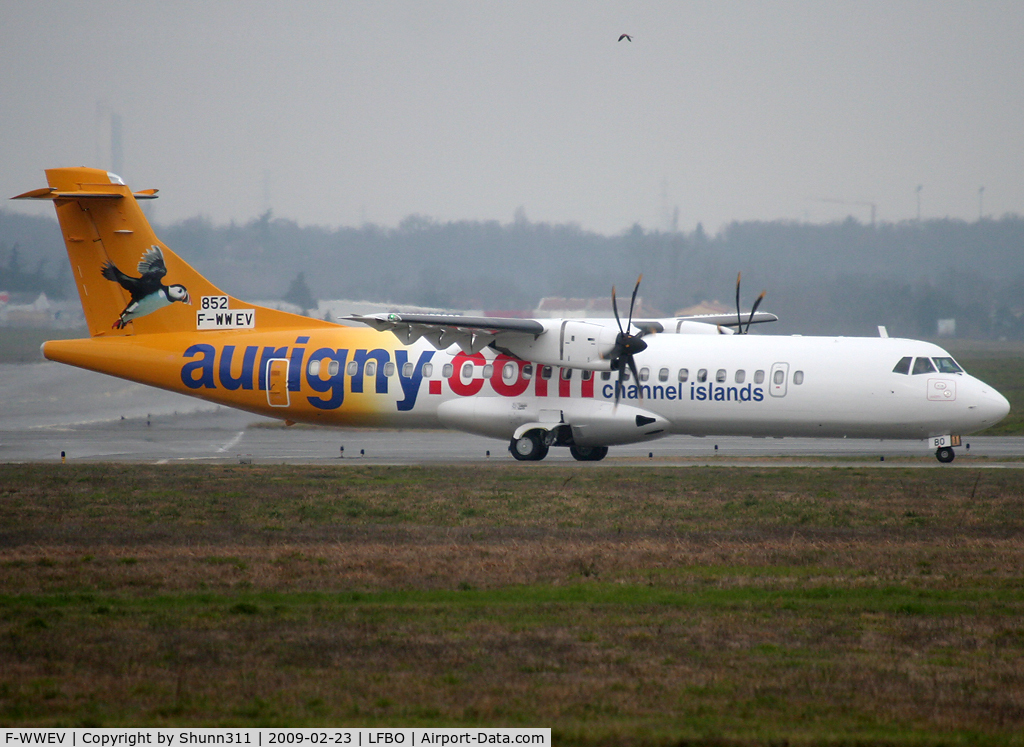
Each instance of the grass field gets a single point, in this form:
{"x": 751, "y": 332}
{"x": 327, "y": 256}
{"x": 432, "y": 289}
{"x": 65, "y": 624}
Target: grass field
{"x": 615, "y": 605}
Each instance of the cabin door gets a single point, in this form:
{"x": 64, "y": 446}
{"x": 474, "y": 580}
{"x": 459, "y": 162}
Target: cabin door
{"x": 277, "y": 382}
{"x": 779, "y": 377}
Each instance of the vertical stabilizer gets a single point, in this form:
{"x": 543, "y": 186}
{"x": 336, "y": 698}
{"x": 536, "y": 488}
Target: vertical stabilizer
{"x": 129, "y": 281}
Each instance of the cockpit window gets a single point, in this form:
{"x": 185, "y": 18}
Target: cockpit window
{"x": 903, "y": 366}
{"x": 947, "y": 365}
{"x": 923, "y": 366}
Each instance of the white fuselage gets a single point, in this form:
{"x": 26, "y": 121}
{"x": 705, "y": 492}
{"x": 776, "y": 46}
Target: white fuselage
{"x": 717, "y": 385}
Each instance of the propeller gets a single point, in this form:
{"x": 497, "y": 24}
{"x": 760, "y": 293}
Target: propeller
{"x": 739, "y": 317}
{"x": 626, "y": 345}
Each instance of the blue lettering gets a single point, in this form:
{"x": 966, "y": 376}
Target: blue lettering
{"x": 360, "y": 357}
{"x": 719, "y": 394}
{"x": 607, "y": 391}
{"x": 295, "y": 368}
{"x": 204, "y": 367}
{"x": 701, "y": 394}
{"x": 248, "y": 362}
{"x": 745, "y": 393}
{"x": 335, "y": 384}
{"x": 410, "y": 384}
{"x": 758, "y": 394}
{"x": 731, "y": 393}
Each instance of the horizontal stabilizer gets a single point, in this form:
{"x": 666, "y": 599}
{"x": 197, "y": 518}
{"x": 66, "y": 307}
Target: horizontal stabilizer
{"x": 49, "y": 193}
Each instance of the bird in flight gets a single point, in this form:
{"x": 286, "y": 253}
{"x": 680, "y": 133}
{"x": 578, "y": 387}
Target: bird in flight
{"x": 627, "y": 37}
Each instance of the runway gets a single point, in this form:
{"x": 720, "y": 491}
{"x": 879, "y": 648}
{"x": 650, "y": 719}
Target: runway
{"x": 48, "y": 409}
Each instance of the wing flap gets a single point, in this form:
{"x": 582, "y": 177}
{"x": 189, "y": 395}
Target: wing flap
{"x": 471, "y": 333}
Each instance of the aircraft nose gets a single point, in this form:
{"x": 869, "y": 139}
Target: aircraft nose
{"x": 992, "y": 406}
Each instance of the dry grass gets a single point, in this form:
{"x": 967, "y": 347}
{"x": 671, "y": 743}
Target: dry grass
{"x": 615, "y": 605}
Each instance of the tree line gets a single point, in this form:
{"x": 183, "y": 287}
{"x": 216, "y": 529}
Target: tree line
{"x": 838, "y": 278}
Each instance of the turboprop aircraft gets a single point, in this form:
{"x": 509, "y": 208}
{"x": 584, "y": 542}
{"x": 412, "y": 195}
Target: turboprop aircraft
{"x": 585, "y": 384}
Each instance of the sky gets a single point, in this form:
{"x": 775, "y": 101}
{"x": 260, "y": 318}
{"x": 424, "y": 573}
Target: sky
{"x": 342, "y": 113}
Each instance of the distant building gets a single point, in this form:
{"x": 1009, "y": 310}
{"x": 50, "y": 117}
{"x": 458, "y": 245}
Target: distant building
{"x": 705, "y": 307}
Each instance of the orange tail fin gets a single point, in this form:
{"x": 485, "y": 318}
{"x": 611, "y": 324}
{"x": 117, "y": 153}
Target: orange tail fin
{"x": 128, "y": 280}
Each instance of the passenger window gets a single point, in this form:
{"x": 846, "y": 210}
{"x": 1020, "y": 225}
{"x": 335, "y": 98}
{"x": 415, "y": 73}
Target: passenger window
{"x": 314, "y": 368}
{"x": 467, "y": 370}
{"x": 428, "y": 370}
{"x": 333, "y": 368}
{"x": 606, "y": 376}
{"x": 488, "y": 371}
{"x": 663, "y": 374}
{"x": 545, "y": 372}
{"x": 566, "y": 374}
{"x": 645, "y": 374}
{"x": 352, "y": 368}
{"x": 371, "y": 368}
{"x": 684, "y": 374}
{"x": 947, "y": 365}
{"x": 702, "y": 375}
{"x": 741, "y": 376}
{"x": 528, "y": 371}
{"x": 779, "y": 377}
{"x": 903, "y": 367}
{"x": 626, "y": 373}
{"x": 389, "y": 369}
{"x": 758, "y": 377}
{"x": 798, "y": 377}
{"x": 720, "y": 375}
{"x": 508, "y": 373}
{"x": 446, "y": 372}
{"x": 923, "y": 366}
{"x": 407, "y": 369}
{"x": 586, "y": 375}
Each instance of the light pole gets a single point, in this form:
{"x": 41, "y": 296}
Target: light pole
{"x": 981, "y": 202}
{"x": 918, "y": 190}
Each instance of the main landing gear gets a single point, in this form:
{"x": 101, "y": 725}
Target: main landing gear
{"x": 530, "y": 447}
{"x": 533, "y": 446}
{"x": 945, "y": 454}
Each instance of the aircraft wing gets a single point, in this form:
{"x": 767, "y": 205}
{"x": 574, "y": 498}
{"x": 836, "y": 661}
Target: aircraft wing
{"x": 471, "y": 333}
{"x": 729, "y": 320}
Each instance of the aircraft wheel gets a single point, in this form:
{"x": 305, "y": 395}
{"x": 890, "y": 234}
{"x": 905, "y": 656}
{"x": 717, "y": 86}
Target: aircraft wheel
{"x": 588, "y": 453}
{"x": 945, "y": 454}
{"x": 529, "y": 448}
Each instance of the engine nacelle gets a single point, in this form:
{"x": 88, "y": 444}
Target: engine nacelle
{"x": 573, "y": 343}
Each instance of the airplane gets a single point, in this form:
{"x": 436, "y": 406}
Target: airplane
{"x": 585, "y": 384}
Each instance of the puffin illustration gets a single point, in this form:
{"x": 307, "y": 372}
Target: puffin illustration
{"x": 148, "y": 292}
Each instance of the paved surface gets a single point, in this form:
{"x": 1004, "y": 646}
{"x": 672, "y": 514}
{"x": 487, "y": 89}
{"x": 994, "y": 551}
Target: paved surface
{"x": 48, "y": 408}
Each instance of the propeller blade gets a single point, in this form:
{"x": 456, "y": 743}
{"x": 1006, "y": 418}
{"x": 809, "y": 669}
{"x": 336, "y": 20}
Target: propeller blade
{"x": 756, "y": 304}
{"x": 636, "y": 377}
{"x": 633, "y": 300}
{"x": 739, "y": 319}
{"x": 622, "y": 376}
{"x": 615, "y": 308}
